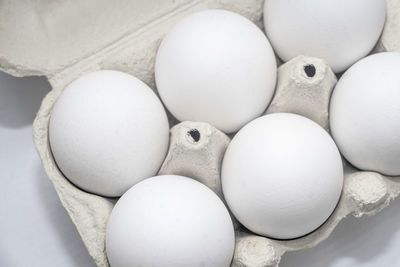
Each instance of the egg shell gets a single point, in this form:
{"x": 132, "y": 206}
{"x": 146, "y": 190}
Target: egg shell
{"x": 282, "y": 176}
{"x": 214, "y": 57}
{"x": 365, "y": 113}
{"x": 341, "y": 31}
{"x": 170, "y": 221}
{"x": 130, "y": 44}
{"x": 108, "y": 131}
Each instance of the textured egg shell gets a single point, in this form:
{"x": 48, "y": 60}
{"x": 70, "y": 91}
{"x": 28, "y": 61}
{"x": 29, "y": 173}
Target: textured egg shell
{"x": 218, "y": 67}
{"x": 169, "y": 221}
{"x": 365, "y": 113}
{"x": 282, "y": 176}
{"x": 108, "y": 131}
{"x": 339, "y": 31}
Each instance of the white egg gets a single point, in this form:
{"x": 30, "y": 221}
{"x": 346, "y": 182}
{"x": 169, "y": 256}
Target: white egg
{"x": 282, "y": 176}
{"x": 340, "y": 31}
{"x": 169, "y": 221}
{"x": 218, "y": 67}
{"x": 108, "y": 131}
{"x": 365, "y": 113}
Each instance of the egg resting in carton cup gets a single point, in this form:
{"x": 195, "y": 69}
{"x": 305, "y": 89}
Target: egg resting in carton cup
{"x": 133, "y": 52}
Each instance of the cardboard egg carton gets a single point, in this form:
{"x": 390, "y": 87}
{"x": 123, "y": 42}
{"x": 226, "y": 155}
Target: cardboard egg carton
{"x": 63, "y": 40}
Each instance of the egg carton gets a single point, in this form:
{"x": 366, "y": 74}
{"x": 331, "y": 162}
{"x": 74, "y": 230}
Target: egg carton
{"x": 64, "y": 40}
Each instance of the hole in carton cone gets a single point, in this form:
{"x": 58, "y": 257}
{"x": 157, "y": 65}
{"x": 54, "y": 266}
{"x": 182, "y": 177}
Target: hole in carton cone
{"x": 309, "y": 70}
{"x": 195, "y": 134}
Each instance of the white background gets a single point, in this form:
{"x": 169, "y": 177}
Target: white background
{"x": 35, "y": 230}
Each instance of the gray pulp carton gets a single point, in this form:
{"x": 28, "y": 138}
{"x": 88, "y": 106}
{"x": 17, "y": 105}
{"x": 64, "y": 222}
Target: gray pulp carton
{"x": 63, "y": 40}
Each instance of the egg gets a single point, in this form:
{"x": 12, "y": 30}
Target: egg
{"x": 339, "y": 31}
{"x": 365, "y": 113}
{"x": 169, "y": 221}
{"x": 108, "y": 131}
{"x": 282, "y": 176}
{"x": 218, "y": 67}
